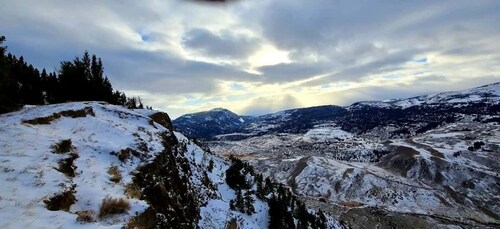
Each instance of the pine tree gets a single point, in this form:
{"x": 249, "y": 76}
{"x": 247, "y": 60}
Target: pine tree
{"x": 249, "y": 208}
{"x": 9, "y": 98}
{"x": 239, "y": 202}
{"x": 81, "y": 79}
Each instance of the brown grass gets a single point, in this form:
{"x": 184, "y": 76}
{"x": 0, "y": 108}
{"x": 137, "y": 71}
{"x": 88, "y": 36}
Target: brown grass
{"x": 115, "y": 174}
{"x": 133, "y": 191}
{"x": 61, "y": 201}
{"x": 69, "y": 113}
{"x": 110, "y": 206}
{"x": 85, "y": 216}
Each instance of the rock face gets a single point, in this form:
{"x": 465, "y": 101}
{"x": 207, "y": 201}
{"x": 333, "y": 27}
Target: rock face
{"x": 163, "y": 119}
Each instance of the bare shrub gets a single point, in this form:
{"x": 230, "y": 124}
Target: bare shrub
{"x": 110, "y": 206}
{"x": 85, "y": 216}
{"x": 132, "y": 190}
{"x": 114, "y": 172}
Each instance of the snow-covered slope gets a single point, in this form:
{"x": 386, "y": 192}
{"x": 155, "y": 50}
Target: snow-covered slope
{"x": 432, "y": 160}
{"x": 488, "y": 94}
{"x": 31, "y": 171}
{"x": 95, "y": 165}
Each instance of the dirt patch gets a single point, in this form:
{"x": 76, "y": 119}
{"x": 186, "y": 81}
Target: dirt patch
{"x": 69, "y": 113}
{"x": 299, "y": 167}
{"x": 67, "y": 166}
{"x": 61, "y": 201}
{"x": 401, "y": 160}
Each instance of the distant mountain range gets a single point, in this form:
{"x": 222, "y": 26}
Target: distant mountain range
{"x": 422, "y": 162}
{"x": 407, "y": 116}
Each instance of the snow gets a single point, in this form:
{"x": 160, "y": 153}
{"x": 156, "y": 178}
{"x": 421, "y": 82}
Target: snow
{"x": 325, "y": 132}
{"x": 29, "y": 175}
{"x": 489, "y": 93}
{"x": 25, "y": 152}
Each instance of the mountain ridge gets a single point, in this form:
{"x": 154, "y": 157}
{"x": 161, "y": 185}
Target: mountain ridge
{"x": 483, "y": 97}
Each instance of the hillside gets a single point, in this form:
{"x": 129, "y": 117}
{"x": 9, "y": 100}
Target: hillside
{"x": 95, "y": 165}
{"x": 417, "y": 162}
{"x": 407, "y": 116}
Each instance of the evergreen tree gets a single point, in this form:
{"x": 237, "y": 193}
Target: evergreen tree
{"x": 9, "y": 98}
{"x": 236, "y": 175}
{"x": 249, "y": 208}
{"x": 82, "y": 79}
{"x": 239, "y": 203}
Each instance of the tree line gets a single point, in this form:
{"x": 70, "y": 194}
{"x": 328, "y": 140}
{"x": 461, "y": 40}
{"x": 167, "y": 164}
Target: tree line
{"x": 81, "y": 79}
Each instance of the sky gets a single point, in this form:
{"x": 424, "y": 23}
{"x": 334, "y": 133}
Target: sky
{"x": 259, "y": 56}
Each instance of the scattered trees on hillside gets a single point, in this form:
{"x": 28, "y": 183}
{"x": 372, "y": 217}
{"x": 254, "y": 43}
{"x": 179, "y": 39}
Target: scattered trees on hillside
{"x": 285, "y": 210}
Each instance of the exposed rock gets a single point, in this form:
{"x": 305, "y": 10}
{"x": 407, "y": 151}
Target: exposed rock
{"x": 163, "y": 119}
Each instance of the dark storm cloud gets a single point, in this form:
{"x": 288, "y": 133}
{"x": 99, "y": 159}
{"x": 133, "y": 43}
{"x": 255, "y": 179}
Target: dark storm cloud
{"x": 225, "y": 44}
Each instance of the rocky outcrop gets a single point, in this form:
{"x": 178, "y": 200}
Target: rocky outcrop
{"x": 163, "y": 119}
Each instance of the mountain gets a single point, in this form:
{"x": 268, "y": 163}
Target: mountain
{"x": 406, "y": 116}
{"x": 423, "y": 162}
{"x": 207, "y": 124}
{"x": 96, "y": 165}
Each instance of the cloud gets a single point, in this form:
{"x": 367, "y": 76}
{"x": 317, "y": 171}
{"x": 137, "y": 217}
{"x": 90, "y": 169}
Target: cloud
{"x": 265, "y": 105}
{"x": 289, "y": 72}
{"x": 225, "y": 44}
{"x": 261, "y": 56}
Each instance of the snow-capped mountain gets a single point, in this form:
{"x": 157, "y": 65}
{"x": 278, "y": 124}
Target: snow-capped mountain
{"x": 209, "y": 123}
{"x": 95, "y": 165}
{"x": 423, "y": 162}
{"x": 404, "y": 116}
{"x": 487, "y": 94}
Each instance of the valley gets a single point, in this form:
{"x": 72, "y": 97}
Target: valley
{"x": 430, "y": 159}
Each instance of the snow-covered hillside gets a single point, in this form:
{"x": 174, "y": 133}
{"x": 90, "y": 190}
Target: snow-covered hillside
{"x": 488, "y": 93}
{"x": 432, "y": 160}
{"x": 70, "y": 157}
